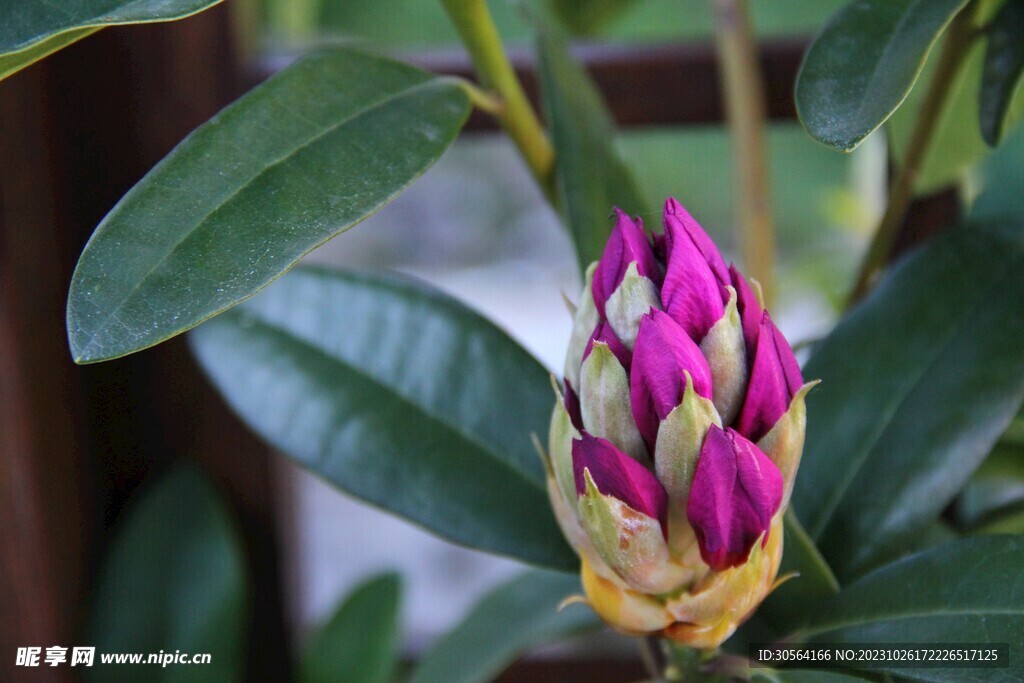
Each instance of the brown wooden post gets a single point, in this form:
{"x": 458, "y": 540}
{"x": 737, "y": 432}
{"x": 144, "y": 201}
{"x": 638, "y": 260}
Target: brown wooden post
{"x": 76, "y": 132}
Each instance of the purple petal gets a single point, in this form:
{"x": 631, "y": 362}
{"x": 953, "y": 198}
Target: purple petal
{"x": 572, "y": 406}
{"x": 768, "y": 393}
{"x": 749, "y": 309}
{"x": 692, "y": 293}
{"x": 794, "y": 378}
{"x": 617, "y": 475}
{"x": 678, "y": 222}
{"x": 628, "y": 243}
{"x": 662, "y": 353}
{"x": 604, "y": 333}
{"x": 736, "y": 491}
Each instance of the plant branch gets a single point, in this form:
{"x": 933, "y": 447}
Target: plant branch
{"x": 901, "y": 193}
{"x": 743, "y": 88}
{"x": 480, "y": 36}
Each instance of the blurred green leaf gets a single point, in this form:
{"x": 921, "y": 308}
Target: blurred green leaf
{"x": 16, "y": 61}
{"x": 301, "y": 158}
{"x": 996, "y": 487}
{"x": 31, "y": 30}
{"x": 812, "y": 581}
{"x": 1009, "y": 523}
{"x": 918, "y": 383}
{"x": 864, "y": 62}
{"x": 358, "y": 644}
{"x": 174, "y": 579}
{"x": 590, "y": 173}
{"x": 966, "y": 591}
{"x": 999, "y": 177}
{"x": 399, "y": 395}
{"x": 586, "y": 17}
{"x": 1004, "y": 65}
{"x": 517, "y": 615}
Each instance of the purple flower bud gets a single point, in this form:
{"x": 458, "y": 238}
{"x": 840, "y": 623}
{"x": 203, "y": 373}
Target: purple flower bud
{"x": 628, "y": 243}
{"x": 617, "y": 475}
{"x": 693, "y": 293}
{"x": 679, "y": 222}
{"x": 774, "y": 380}
{"x": 736, "y": 491}
{"x": 749, "y": 309}
{"x": 572, "y": 406}
{"x": 604, "y": 333}
{"x": 661, "y": 357}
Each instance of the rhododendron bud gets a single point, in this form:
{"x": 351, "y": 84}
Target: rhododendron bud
{"x": 676, "y": 435}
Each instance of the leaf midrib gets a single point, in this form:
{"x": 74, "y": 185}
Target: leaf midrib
{"x": 875, "y": 71}
{"x": 839, "y": 492}
{"x": 115, "y": 311}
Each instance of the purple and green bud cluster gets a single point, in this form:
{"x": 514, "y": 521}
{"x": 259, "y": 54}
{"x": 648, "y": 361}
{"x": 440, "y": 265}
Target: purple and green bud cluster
{"x": 676, "y": 436}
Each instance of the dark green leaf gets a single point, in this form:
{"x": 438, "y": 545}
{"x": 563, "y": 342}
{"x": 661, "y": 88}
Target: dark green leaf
{"x": 31, "y": 30}
{"x": 864, "y": 62}
{"x": 174, "y": 579}
{"x": 301, "y": 158}
{"x": 1001, "y": 198}
{"x": 519, "y": 614}
{"x": 918, "y": 383}
{"x": 358, "y": 645}
{"x": 996, "y": 487}
{"x": 967, "y": 591}
{"x": 588, "y": 16}
{"x": 1004, "y": 65}
{"x": 16, "y": 61}
{"x": 590, "y": 174}
{"x": 812, "y": 581}
{"x": 399, "y": 395}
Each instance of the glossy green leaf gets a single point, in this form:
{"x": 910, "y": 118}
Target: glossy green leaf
{"x": 301, "y": 158}
{"x": 17, "y": 61}
{"x": 590, "y": 173}
{"x": 967, "y": 591}
{"x": 359, "y": 643}
{"x": 173, "y": 580}
{"x": 399, "y": 395}
{"x": 517, "y": 615}
{"x": 31, "y": 30}
{"x": 1004, "y": 66}
{"x": 586, "y": 17}
{"x": 918, "y": 383}
{"x": 811, "y": 582}
{"x": 864, "y": 62}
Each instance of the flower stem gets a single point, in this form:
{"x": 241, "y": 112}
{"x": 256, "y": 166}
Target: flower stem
{"x": 653, "y": 658}
{"x": 480, "y": 36}
{"x": 742, "y": 84}
{"x": 901, "y": 193}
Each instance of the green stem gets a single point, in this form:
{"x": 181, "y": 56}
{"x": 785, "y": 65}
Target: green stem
{"x": 653, "y": 658}
{"x": 901, "y": 193}
{"x": 480, "y": 36}
{"x": 740, "y": 76}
